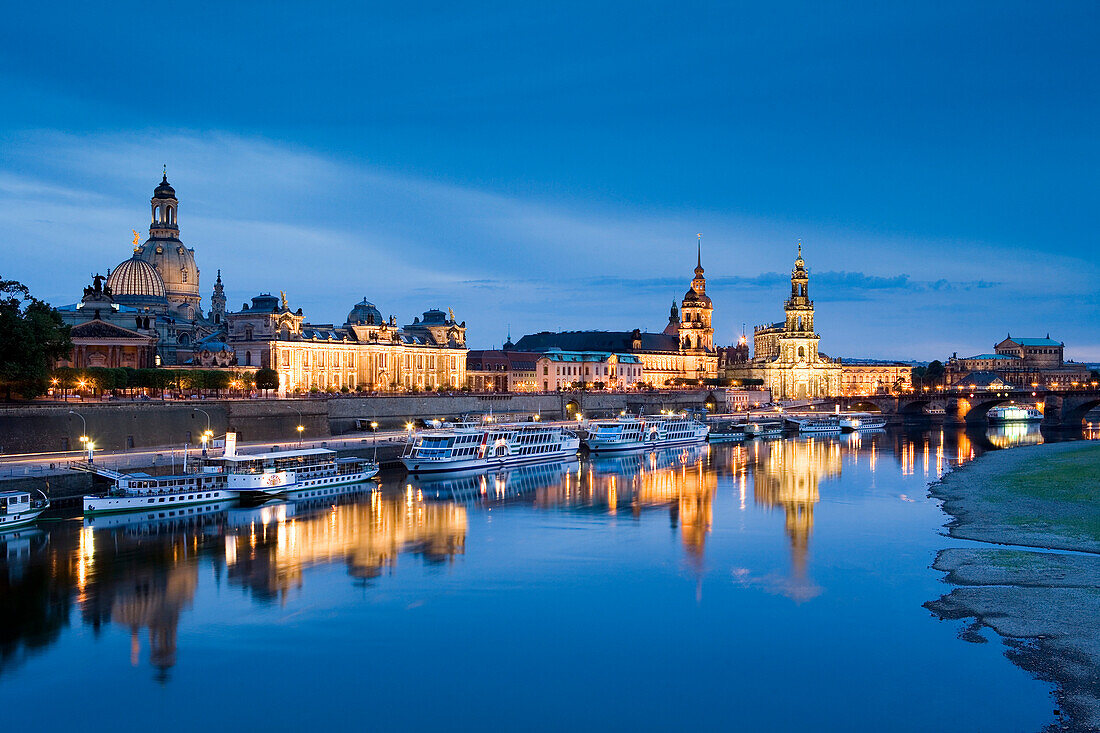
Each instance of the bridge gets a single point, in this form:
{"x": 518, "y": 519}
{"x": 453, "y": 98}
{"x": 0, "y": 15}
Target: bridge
{"x": 1060, "y": 409}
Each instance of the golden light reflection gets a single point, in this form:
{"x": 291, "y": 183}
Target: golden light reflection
{"x": 788, "y": 477}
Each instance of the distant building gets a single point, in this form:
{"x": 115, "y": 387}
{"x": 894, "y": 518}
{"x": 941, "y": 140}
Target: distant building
{"x": 367, "y": 351}
{"x": 684, "y": 350}
{"x": 869, "y": 377}
{"x": 785, "y": 354}
{"x": 1023, "y": 362}
{"x": 496, "y": 370}
{"x": 572, "y": 369}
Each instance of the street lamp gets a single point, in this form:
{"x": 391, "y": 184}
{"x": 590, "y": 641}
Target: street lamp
{"x": 207, "y": 433}
{"x": 300, "y": 427}
{"x": 84, "y": 435}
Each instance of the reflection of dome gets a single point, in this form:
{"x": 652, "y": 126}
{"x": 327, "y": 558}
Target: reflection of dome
{"x": 135, "y": 279}
{"x": 365, "y": 312}
{"x": 176, "y": 266}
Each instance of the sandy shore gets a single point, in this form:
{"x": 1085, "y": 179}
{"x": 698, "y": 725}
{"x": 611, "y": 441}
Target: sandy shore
{"x": 1046, "y": 606}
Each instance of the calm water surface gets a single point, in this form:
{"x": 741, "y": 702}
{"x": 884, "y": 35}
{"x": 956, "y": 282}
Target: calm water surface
{"x": 775, "y": 585}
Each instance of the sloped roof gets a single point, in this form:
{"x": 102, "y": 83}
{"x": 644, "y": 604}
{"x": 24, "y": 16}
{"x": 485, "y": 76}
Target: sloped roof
{"x": 609, "y": 341}
{"x": 1008, "y": 357}
{"x": 1032, "y": 342}
{"x": 981, "y": 379}
{"x": 96, "y": 329}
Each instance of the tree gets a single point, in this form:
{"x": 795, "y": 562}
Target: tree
{"x": 32, "y": 338}
{"x": 934, "y": 371}
{"x": 266, "y": 379}
{"x": 217, "y": 381}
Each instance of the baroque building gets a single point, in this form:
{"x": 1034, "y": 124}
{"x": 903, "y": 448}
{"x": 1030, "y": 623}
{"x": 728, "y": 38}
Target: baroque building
{"x": 366, "y": 352}
{"x": 683, "y": 351}
{"x": 154, "y": 293}
{"x": 1022, "y": 362}
{"x": 785, "y": 357}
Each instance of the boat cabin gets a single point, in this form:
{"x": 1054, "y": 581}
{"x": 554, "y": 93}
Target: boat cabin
{"x": 14, "y": 502}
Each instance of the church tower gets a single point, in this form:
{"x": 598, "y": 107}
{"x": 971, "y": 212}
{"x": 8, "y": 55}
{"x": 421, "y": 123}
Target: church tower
{"x": 217, "y": 301}
{"x": 163, "y": 250}
{"x": 798, "y": 342}
{"x": 696, "y": 333}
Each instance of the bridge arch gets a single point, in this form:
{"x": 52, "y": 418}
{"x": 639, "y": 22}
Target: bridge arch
{"x": 1076, "y": 414}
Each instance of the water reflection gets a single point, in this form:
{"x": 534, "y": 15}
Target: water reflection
{"x": 788, "y": 475}
{"x": 144, "y": 573}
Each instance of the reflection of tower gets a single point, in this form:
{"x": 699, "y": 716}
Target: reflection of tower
{"x": 154, "y": 598}
{"x": 676, "y": 478}
{"x": 788, "y": 476}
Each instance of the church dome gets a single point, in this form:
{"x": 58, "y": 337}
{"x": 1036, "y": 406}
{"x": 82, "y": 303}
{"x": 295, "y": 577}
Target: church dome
{"x": 364, "y": 312}
{"x": 691, "y": 296}
{"x": 176, "y": 266}
{"x": 135, "y": 279}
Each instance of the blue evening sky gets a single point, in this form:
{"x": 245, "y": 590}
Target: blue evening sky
{"x": 548, "y": 165}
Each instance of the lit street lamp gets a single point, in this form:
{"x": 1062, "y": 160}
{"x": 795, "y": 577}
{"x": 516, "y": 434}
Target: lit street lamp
{"x": 206, "y": 433}
{"x": 84, "y": 435}
{"x": 300, "y": 427}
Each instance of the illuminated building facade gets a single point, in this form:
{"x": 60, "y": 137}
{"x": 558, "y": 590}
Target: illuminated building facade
{"x": 874, "y": 377}
{"x": 1022, "y": 362}
{"x": 786, "y": 358}
{"x": 367, "y": 352}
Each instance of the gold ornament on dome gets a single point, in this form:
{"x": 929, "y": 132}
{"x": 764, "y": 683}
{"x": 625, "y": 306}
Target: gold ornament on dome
{"x": 137, "y": 240}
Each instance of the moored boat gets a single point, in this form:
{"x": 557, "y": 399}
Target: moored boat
{"x": 270, "y": 474}
{"x": 854, "y": 421}
{"x": 20, "y": 508}
{"x": 764, "y": 428}
{"x": 643, "y": 432}
{"x": 817, "y": 423}
{"x": 463, "y": 448}
{"x": 1014, "y": 413}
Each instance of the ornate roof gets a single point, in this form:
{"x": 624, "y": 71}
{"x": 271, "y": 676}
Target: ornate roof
{"x": 365, "y": 312}
{"x": 164, "y": 190}
{"x": 616, "y": 341}
{"x": 136, "y": 277}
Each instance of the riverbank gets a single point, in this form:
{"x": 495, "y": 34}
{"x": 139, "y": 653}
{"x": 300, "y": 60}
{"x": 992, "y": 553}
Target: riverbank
{"x": 1045, "y": 605}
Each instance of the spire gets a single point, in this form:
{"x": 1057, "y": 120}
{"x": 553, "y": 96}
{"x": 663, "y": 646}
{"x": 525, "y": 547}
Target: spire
{"x": 699, "y": 256}
{"x": 219, "y": 282}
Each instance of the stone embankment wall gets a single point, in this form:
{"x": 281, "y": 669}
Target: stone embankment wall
{"x": 42, "y": 428}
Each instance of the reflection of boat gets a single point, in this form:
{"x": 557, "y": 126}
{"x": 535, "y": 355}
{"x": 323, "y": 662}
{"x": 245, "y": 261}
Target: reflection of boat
{"x": 328, "y": 492}
{"x": 861, "y": 421}
{"x": 817, "y": 423}
{"x": 20, "y": 508}
{"x": 1011, "y": 434}
{"x": 468, "y": 486}
{"x": 163, "y": 515}
{"x": 1014, "y": 413}
{"x": 764, "y": 428}
{"x": 648, "y": 431}
{"x": 466, "y": 447}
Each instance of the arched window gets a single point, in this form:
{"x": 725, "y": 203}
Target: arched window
{"x": 248, "y": 358}
{"x": 800, "y": 323}
{"x": 801, "y": 352}
{"x": 156, "y": 213}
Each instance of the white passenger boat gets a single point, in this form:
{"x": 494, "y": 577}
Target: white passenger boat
{"x": 20, "y": 508}
{"x": 462, "y": 448}
{"x": 274, "y": 473}
{"x": 142, "y": 492}
{"x": 817, "y": 423}
{"x": 1014, "y": 413}
{"x": 229, "y": 477}
{"x": 854, "y": 421}
{"x": 647, "y": 431}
